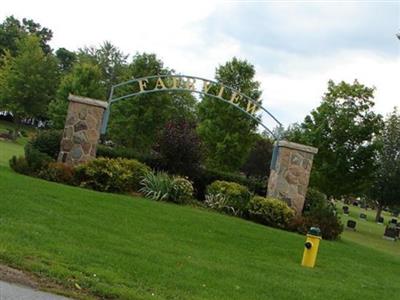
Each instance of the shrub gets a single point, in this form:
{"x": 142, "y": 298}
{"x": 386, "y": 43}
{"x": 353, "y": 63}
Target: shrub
{"x": 179, "y": 147}
{"x": 35, "y": 159}
{"x": 205, "y": 177}
{"x": 182, "y": 190}
{"x": 258, "y": 161}
{"x": 270, "y": 211}
{"x": 318, "y": 212}
{"x": 151, "y": 159}
{"x": 219, "y": 202}
{"x": 116, "y": 152}
{"x": 111, "y": 175}
{"x": 58, "y": 172}
{"x": 156, "y": 186}
{"x": 48, "y": 142}
{"x": 236, "y": 197}
{"x": 313, "y": 200}
{"x": 330, "y": 224}
{"x": 20, "y": 165}
{"x": 160, "y": 186}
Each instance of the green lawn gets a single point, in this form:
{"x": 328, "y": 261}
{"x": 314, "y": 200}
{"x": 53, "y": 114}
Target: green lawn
{"x": 121, "y": 247}
{"x": 368, "y": 232}
{"x": 28, "y": 130}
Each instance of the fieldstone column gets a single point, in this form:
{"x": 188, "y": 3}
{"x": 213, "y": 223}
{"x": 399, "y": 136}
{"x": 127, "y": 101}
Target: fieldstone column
{"x": 290, "y": 173}
{"x": 81, "y": 130}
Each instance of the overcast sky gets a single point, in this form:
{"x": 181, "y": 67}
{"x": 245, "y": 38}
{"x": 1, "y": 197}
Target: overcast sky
{"x": 296, "y": 46}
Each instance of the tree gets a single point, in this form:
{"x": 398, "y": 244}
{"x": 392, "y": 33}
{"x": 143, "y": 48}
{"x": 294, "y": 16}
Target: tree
{"x": 136, "y": 122}
{"x": 259, "y": 159}
{"x": 111, "y": 60}
{"x": 12, "y": 30}
{"x": 180, "y": 148}
{"x": 83, "y": 80}
{"x": 66, "y": 59}
{"x": 386, "y": 188}
{"x": 28, "y": 80}
{"x": 343, "y": 128}
{"x": 225, "y": 130}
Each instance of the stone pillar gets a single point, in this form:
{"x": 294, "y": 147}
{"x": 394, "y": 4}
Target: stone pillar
{"x": 290, "y": 173}
{"x": 81, "y": 130}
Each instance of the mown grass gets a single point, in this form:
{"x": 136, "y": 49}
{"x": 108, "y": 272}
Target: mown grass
{"x": 116, "y": 246}
{"x": 368, "y": 232}
{"x": 21, "y": 140}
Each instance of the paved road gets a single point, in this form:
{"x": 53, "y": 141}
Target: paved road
{"x": 10, "y": 291}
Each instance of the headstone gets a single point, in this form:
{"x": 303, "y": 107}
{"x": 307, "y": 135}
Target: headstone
{"x": 391, "y": 232}
{"x": 346, "y": 210}
{"x": 363, "y": 216}
{"x": 380, "y": 220}
{"x": 393, "y": 221}
{"x": 351, "y": 224}
{"x": 290, "y": 172}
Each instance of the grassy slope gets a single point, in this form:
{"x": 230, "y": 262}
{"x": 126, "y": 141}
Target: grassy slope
{"x": 367, "y": 232}
{"x": 133, "y": 248}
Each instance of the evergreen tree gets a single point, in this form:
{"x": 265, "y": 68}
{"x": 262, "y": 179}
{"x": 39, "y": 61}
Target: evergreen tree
{"x": 226, "y": 131}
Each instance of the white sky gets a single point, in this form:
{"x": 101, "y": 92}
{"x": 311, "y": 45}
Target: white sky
{"x": 296, "y": 46}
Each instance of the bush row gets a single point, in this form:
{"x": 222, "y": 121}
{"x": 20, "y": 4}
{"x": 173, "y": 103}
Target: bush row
{"x": 200, "y": 177}
{"x": 235, "y": 199}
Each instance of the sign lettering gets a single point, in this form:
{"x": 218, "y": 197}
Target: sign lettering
{"x": 188, "y": 83}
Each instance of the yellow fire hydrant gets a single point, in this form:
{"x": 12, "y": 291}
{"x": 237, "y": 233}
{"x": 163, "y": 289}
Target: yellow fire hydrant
{"x": 311, "y": 247}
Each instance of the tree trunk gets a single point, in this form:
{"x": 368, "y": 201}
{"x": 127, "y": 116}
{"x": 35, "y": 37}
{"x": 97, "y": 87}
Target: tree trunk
{"x": 16, "y": 128}
{"x": 378, "y": 212}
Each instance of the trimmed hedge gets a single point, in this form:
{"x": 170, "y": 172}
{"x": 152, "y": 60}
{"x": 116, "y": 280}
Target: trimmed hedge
{"x": 270, "y": 211}
{"x": 111, "y": 175}
{"x": 206, "y": 177}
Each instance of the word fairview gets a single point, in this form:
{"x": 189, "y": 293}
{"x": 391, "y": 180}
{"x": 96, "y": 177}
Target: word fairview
{"x": 197, "y": 85}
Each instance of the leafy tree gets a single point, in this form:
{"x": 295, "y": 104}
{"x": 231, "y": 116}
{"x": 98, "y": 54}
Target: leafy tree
{"x": 111, "y": 60}
{"x": 12, "y": 30}
{"x": 258, "y": 162}
{"x": 136, "y": 122}
{"x": 66, "y": 59}
{"x": 180, "y": 148}
{"x": 343, "y": 128}
{"x": 28, "y": 80}
{"x": 386, "y": 187}
{"x": 225, "y": 130}
{"x": 83, "y": 80}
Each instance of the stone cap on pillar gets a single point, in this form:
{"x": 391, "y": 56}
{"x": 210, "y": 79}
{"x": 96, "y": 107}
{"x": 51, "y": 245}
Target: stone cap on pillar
{"x": 88, "y": 101}
{"x": 296, "y": 146}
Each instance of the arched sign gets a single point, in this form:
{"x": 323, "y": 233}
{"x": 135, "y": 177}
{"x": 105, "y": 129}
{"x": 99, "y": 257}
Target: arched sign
{"x": 159, "y": 83}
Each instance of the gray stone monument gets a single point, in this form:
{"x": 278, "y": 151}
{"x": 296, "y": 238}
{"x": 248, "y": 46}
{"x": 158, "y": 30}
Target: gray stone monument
{"x": 81, "y": 130}
{"x": 290, "y": 173}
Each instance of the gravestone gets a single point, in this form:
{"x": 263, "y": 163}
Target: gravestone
{"x": 346, "y": 210}
{"x": 81, "y": 130}
{"x": 380, "y": 220}
{"x": 391, "y": 232}
{"x": 290, "y": 172}
{"x": 363, "y": 216}
{"x": 393, "y": 221}
{"x": 351, "y": 225}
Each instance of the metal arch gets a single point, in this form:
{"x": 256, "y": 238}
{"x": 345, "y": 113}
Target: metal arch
{"x": 183, "y": 89}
